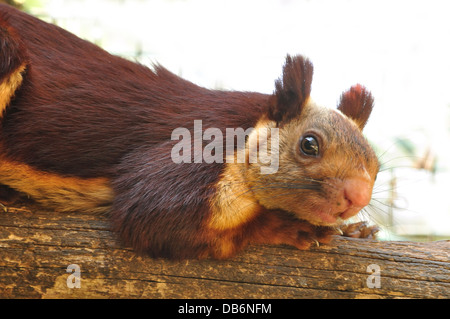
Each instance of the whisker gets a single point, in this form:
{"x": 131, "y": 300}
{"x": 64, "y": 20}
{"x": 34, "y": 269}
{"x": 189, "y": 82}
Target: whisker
{"x": 278, "y": 195}
{"x": 291, "y": 188}
{"x": 275, "y": 186}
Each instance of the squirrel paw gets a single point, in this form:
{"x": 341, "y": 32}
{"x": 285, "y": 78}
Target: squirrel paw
{"x": 278, "y": 227}
{"x": 360, "y": 230}
{"x": 3, "y": 208}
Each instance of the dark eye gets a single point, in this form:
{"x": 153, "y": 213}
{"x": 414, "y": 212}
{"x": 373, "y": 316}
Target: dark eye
{"x": 309, "y": 145}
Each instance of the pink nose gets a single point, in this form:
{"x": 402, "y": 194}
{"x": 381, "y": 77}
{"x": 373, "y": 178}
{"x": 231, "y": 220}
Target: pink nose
{"x": 358, "y": 191}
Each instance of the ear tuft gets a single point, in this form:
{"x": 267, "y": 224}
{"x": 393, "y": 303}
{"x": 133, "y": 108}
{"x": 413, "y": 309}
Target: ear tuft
{"x": 292, "y": 90}
{"x": 357, "y": 104}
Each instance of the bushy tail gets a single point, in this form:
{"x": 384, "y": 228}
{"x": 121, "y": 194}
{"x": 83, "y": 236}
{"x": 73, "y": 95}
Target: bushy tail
{"x": 13, "y": 62}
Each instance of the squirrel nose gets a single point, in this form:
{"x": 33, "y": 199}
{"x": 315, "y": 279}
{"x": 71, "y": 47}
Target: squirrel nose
{"x": 358, "y": 192}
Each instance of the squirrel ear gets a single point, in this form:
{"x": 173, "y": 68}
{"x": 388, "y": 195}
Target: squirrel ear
{"x": 292, "y": 90}
{"x": 357, "y": 103}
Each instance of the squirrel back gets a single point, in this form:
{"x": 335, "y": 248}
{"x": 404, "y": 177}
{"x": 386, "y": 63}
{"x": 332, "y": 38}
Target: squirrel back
{"x": 81, "y": 129}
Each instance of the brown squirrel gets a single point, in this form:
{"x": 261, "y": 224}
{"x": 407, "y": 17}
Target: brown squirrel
{"x": 83, "y": 130}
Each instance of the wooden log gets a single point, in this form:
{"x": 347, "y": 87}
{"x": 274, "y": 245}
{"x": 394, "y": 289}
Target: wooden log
{"x": 37, "y": 247}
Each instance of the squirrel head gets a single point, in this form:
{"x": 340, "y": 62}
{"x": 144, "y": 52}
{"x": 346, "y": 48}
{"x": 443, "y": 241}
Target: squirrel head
{"x": 326, "y": 167}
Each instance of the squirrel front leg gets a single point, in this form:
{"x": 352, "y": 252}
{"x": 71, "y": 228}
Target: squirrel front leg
{"x": 272, "y": 227}
{"x": 280, "y": 227}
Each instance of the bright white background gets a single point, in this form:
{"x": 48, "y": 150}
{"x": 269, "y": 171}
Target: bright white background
{"x": 400, "y": 50}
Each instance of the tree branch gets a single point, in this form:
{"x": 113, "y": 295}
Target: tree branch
{"x": 36, "y": 247}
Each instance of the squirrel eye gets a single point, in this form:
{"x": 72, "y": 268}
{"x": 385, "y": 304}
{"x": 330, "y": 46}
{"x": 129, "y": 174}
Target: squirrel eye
{"x": 309, "y": 145}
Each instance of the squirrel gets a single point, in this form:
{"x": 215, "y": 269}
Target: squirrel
{"x": 86, "y": 131}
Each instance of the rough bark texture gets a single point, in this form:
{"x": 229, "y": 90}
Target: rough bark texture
{"x": 36, "y": 247}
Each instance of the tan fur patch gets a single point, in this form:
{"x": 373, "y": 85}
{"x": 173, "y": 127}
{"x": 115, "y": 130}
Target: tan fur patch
{"x": 9, "y": 86}
{"x": 57, "y": 192}
{"x": 235, "y": 204}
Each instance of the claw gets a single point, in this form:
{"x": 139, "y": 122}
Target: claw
{"x": 316, "y": 242}
{"x": 3, "y": 208}
{"x": 360, "y": 230}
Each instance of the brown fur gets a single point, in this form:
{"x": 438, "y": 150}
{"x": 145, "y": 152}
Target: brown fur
{"x": 85, "y": 130}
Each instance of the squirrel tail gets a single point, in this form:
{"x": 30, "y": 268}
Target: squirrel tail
{"x": 13, "y": 63}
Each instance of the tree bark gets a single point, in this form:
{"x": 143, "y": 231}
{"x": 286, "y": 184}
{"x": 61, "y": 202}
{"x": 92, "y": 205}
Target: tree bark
{"x": 37, "y": 247}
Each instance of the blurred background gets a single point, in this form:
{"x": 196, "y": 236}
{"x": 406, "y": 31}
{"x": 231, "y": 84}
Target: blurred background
{"x": 398, "y": 49}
